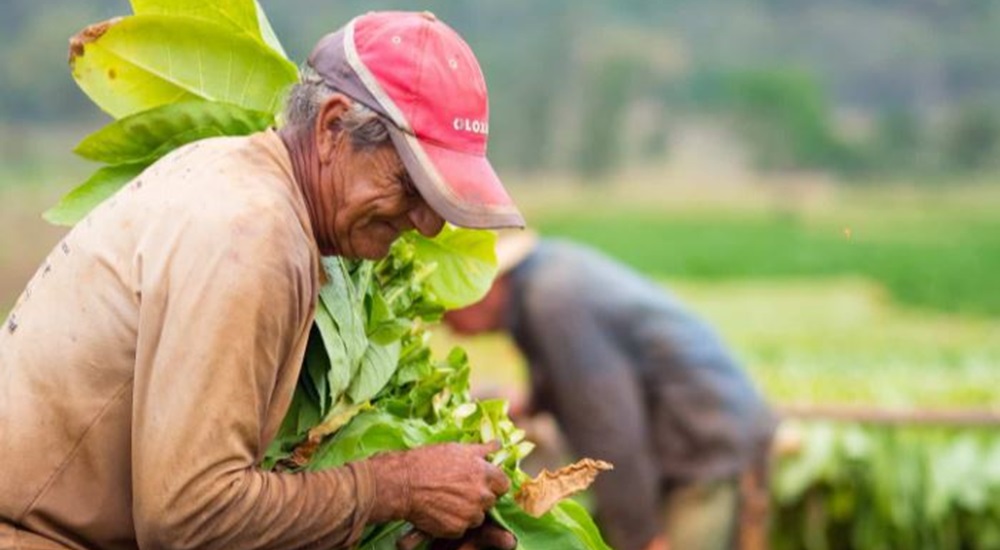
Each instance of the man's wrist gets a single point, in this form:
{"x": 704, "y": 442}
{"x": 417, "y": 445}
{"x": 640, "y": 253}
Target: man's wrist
{"x": 392, "y": 487}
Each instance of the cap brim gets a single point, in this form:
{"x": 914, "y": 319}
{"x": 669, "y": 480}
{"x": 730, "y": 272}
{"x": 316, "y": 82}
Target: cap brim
{"x": 461, "y": 187}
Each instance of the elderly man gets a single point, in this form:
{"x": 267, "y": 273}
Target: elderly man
{"x": 151, "y": 359}
{"x": 631, "y": 377}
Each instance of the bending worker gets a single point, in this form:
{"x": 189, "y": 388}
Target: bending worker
{"x": 634, "y": 378}
{"x": 151, "y": 359}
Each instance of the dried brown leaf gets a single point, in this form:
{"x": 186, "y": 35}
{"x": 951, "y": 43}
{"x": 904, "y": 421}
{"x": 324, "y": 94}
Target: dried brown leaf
{"x": 539, "y": 495}
{"x": 88, "y": 35}
{"x": 337, "y": 418}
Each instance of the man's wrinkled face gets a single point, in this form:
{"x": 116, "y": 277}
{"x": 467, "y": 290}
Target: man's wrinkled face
{"x": 376, "y": 201}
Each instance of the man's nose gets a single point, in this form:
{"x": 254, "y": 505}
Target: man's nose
{"x": 426, "y": 220}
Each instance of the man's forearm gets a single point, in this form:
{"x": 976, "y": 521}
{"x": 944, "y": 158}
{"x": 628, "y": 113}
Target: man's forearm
{"x": 255, "y": 509}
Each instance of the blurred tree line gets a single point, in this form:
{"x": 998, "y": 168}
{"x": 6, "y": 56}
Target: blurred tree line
{"x": 852, "y": 86}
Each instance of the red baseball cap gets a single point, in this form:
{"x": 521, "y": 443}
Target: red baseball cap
{"x": 420, "y": 75}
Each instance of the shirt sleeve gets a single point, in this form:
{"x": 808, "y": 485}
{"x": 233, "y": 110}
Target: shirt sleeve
{"x": 223, "y": 302}
{"x": 597, "y": 399}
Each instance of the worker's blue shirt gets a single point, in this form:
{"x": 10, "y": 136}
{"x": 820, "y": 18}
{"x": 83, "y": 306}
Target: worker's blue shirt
{"x": 633, "y": 377}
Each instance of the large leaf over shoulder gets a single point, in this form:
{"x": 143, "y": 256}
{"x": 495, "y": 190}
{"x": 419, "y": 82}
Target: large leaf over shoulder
{"x": 101, "y": 185}
{"x": 238, "y": 15}
{"x": 267, "y": 32}
{"x": 144, "y": 136}
{"x": 136, "y": 63}
{"x": 466, "y": 264}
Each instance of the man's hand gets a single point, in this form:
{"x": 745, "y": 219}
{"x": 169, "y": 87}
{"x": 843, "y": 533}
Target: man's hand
{"x": 443, "y": 490}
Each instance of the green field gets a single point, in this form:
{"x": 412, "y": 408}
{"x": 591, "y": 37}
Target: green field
{"x": 933, "y": 253}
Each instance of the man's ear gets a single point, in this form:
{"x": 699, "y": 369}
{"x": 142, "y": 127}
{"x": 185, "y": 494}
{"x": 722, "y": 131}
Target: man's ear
{"x": 327, "y": 130}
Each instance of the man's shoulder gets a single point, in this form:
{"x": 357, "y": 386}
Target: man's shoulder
{"x": 221, "y": 179}
{"x": 237, "y": 165}
{"x": 236, "y": 191}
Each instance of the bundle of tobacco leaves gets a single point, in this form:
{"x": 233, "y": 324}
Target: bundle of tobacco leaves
{"x": 370, "y": 382}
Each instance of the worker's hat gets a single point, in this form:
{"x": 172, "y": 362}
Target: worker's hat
{"x": 420, "y": 76}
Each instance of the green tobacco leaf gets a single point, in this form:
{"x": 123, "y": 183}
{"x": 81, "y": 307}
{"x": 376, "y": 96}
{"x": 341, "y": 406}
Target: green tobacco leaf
{"x": 383, "y": 327}
{"x": 76, "y": 204}
{"x": 302, "y": 415}
{"x": 384, "y": 536}
{"x": 956, "y": 477}
{"x": 237, "y": 15}
{"x": 291, "y": 430}
{"x": 378, "y": 364}
{"x": 797, "y": 474}
{"x": 339, "y": 371}
{"x": 559, "y": 528}
{"x": 414, "y": 364}
{"x": 308, "y": 416}
{"x": 147, "y": 135}
{"x": 369, "y": 433}
{"x": 234, "y": 14}
{"x": 575, "y": 518}
{"x": 378, "y": 310}
{"x": 317, "y": 367}
{"x": 267, "y": 32}
{"x": 343, "y": 300}
{"x": 390, "y": 331}
{"x": 135, "y": 63}
{"x": 466, "y": 264}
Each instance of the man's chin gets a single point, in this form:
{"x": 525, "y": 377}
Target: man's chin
{"x": 373, "y": 250}
{"x": 371, "y": 256}
{"x": 369, "y": 245}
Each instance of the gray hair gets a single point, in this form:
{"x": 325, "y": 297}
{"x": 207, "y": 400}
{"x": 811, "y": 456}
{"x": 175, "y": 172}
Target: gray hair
{"x": 306, "y": 97}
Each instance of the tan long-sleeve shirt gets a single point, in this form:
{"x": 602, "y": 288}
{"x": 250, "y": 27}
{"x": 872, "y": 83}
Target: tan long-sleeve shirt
{"x": 151, "y": 359}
